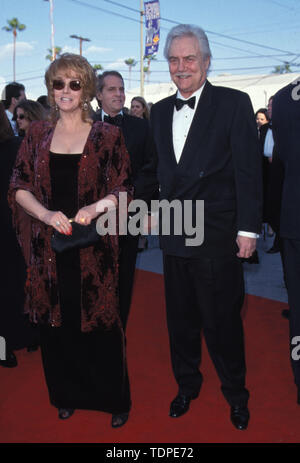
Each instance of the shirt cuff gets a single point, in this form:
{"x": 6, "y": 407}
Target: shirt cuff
{"x": 248, "y": 234}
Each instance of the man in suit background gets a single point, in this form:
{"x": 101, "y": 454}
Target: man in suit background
{"x": 12, "y": 95}
{"x": 207, "y": 147}
{"x": 286, "y": 129}
{"x": 140, "y": 146}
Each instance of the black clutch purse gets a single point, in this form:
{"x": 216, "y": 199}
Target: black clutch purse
{"x": 82, "y": 236}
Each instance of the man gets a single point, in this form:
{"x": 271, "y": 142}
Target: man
{"x": 140, "y": 146}
{"x": 286, "y": 129}
{"x": 13, "y": 94}
{"x": 207, "y": 148}
{"x": 267, "y": 151}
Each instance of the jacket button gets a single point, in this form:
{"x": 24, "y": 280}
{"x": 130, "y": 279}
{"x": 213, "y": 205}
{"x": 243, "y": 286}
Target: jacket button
{"x": 201, "y": 174}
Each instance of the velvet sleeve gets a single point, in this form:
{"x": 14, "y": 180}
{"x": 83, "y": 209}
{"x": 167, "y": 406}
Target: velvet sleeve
{"x": 22, "y": 178}
{"x": 119, "y": 171}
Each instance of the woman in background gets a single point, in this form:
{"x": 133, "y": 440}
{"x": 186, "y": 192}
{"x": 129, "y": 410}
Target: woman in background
{"x": 13, "y": 326}
{"x": 139, "y": 108}
{"x": 26, "y": 112}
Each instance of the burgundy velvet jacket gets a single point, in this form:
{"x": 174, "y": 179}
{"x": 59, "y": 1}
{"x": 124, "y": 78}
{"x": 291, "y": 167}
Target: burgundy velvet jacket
{"x": 104, "y": 169}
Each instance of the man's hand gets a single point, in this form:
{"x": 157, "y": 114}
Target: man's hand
{"x": 246, "y": 246}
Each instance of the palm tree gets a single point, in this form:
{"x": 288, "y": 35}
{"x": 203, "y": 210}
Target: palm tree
{"x": 98, "y": 67}
{"x": 130, "y": 63}
{"x": 283, "y": 69}
{"x": 57, "y": 52}
{"x": 149, "y": 58}
{"x": 147, "y": 72}
{"x": 13, "y": 26}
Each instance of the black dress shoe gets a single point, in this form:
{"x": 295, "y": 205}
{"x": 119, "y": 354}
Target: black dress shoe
{"x": 11, "y": 360}
{"x": 119, "y": 420}
{"x": 240, "y": 416}
{"x": 180, "y": 405}
{"x": 65, "y": 413}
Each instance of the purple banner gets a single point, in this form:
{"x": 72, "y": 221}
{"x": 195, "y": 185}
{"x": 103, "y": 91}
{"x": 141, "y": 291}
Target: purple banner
{"x": 152, "y": 22}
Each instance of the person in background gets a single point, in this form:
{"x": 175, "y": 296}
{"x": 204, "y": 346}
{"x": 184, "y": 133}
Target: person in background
{"x": 26, "y": 112}
{"x": 140, "y": 146}
{"x": 72, "y": 168}
{"x": 139, "y": 108}
{"x": 261, "y": 117}
{"x": 13, "y": 93}
{"x": 43, "y": 100}
{"x": 13, "y": 325}
{"x": 286, "y": 129}
{"x": 267, "y": 150}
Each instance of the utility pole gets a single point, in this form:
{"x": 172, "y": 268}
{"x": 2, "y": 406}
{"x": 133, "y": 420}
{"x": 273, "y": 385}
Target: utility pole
{"x": 142, "y": 51}
{"x": 81, "y": 39}
{"x": 52, "y": 29}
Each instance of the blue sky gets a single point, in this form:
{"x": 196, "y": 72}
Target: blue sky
{"x": 230, "y": 26}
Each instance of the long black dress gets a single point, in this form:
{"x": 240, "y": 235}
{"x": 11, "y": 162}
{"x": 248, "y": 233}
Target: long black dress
{"x": 82, "y": 370}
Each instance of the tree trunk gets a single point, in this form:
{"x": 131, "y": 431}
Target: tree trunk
{"x": 14, "y": 54}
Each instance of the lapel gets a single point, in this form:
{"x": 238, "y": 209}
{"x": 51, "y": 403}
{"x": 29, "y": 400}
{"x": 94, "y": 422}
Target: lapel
{"x": 200, "y": 124}
{"x": 167, "y": 135}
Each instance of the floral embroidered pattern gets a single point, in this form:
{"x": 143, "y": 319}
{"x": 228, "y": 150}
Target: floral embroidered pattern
{"x": 104, "y": 169}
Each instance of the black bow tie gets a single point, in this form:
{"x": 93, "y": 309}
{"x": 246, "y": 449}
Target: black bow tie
{"x": 116, "y": 120}
{"x": 179, "y": 103}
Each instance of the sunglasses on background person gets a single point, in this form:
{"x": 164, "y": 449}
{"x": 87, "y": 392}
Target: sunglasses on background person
{"x": 74, "y": 85}
{"x": 20, "y": 116}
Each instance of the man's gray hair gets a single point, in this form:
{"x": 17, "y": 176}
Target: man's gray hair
{"x": 188, "y": 30}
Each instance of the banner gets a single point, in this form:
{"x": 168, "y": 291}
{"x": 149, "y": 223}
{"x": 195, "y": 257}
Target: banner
{"x": 152, "y": 22}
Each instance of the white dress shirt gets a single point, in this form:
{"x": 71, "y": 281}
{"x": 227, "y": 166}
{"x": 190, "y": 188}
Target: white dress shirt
{"x": 269, "y": 144}
{"x": 12, "y": 123}
{"x": 182, "y": 121}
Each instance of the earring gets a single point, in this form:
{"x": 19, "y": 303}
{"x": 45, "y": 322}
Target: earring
{"x": 85, "y": 106}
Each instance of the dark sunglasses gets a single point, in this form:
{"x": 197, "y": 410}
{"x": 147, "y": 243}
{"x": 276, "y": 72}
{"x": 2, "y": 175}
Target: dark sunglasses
{"x": 74, "y": 85}
{"x": 21, "y": 116}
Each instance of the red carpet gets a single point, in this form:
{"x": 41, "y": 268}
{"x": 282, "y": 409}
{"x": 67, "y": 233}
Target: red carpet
{"x": 27, "y": 417}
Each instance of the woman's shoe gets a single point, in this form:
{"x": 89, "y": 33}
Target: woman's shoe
{"x": 119, "y": 420}
{"x": 65, "y": 413}
{"x": 11, "y": 360}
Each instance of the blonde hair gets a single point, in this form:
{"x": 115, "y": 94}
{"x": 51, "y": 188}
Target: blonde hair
{"x": 66, "y": 63}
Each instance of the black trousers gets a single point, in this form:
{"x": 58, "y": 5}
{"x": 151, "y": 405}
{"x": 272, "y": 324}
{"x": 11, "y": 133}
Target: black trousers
{"x": 291, "y": 255}
{"x": 206, "y": 294}
{"x": 128, "y": 251}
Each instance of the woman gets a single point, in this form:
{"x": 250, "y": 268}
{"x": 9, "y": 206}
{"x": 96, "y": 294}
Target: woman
{"x": 139, "y": 108}
{"x": 13, "y": 327}
{"x": 26, "y": 112}
{"x": 72, "y": 168}
{"x": 261, "y": 117}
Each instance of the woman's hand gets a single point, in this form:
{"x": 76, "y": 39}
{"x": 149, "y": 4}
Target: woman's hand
{"x": 86, "y": 214}
{"x": 59, "y": 221}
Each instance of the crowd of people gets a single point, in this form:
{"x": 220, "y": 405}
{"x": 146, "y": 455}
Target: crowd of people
{"x": 66, "y": 165}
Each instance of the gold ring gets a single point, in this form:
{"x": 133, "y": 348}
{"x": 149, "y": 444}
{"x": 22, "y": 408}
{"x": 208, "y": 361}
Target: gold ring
{"x": 82, "y": 220}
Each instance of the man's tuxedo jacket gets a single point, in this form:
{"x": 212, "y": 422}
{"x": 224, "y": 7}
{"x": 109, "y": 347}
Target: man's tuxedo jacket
{"x": 220, "y": 164}
{"x": 286, "y": 129}
{"x": 139, "y": 144}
